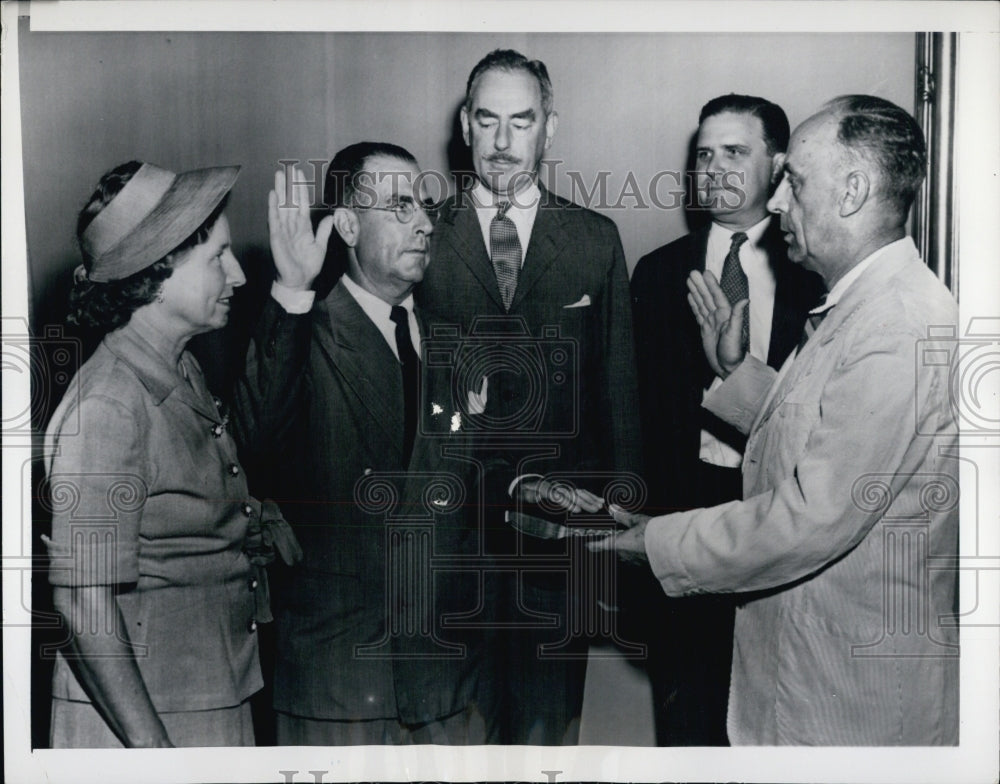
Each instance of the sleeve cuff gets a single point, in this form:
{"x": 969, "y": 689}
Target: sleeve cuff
{"x": 292, "y": 300}
{"x": 740, "y": 397}
{"x": 91, "y": 561}
{"x": 514, "y": 483}
{"x": 661, "y": 542}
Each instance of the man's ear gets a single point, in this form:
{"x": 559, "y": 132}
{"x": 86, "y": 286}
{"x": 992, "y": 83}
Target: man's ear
{"x": 855, "y": 194}
{"x": 551, "y": 123}
{"x": 345, "y": 221}
{"x": 463, "y": 116}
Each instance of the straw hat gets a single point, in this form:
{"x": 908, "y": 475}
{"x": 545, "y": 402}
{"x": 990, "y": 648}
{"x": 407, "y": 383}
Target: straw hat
{"x": 154, "y": 213}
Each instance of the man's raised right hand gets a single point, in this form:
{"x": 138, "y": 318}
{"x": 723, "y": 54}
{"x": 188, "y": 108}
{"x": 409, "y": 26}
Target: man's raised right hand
{"x": 298, "y": 253}
{"x": 721, "y": 323}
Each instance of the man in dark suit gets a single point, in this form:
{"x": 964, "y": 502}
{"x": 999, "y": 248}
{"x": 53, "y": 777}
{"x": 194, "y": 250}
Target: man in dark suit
{"x": 692, "y": 459}
{"x": 330, "y": 394}
{"x": 535, "y": 291}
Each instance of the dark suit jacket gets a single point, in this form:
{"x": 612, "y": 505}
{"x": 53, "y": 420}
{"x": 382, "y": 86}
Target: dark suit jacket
{"x": 562, "y": 388}
{"x": 322, "y": 397}
{"x": 673, "y": 371}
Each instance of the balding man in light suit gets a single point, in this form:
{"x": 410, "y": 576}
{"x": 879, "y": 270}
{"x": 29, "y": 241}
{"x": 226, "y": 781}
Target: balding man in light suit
{"x": 841, "y": 547}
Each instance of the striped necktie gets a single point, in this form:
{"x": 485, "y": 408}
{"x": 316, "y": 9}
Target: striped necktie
{"x": 734, "y": 281}
{"x": 505, "y": 252}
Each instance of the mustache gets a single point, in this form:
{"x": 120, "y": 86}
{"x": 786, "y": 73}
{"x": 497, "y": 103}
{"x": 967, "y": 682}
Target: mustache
{"x": 502, "y": 157}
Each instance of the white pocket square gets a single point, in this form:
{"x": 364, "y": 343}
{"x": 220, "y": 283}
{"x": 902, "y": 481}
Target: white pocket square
{"x": 580, "y": 303}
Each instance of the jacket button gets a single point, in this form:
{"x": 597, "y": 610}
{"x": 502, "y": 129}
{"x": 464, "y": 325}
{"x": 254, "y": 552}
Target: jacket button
{"x": 234, "y": 469}
{"x": 218, "y": 430}
{"x": 252, "y": 626}
{"x": 247, "y": 509}
{"x": 218, "y": 403}
{"x": 253, "y": 584}
{"x": 367, "y": 471}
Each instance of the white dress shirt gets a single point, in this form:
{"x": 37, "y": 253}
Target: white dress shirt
{"x": 760, "y": 277}
{"x": 378, "y": 310}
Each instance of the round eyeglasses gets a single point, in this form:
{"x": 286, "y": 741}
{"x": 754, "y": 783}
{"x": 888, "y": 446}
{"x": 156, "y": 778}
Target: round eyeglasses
{"x": 405, "y": 210}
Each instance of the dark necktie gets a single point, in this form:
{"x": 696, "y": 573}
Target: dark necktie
{"x": 734, "y": 282}
{"x": 813, "y": 320}
{"x": 505, "y": 251}
{"x": 411, "y": 376}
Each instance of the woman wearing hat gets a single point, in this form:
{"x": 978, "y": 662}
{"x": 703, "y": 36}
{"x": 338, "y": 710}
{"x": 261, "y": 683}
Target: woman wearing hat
{"x": 150, "y": 506}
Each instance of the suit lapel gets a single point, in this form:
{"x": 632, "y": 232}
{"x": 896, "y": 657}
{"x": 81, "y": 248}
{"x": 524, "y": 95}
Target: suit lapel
{"x": 358, "y": 350}
{"x": 548, "y": 240}
{"x": 700, "y": 239}
{"x": 698, "y": 260}
{"x": 466, "y": 240}
{"x": 800, "y": 366}
{"x": 465, "y": 237}
{"x": 872, "y": 281}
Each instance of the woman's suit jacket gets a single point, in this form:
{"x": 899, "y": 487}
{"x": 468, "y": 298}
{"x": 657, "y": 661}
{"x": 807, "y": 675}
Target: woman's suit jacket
{"x": 147, "y": 494}
{"x": 849, "y": 522}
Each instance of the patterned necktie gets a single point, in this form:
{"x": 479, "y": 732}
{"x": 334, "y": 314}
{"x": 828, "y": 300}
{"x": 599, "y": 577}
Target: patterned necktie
{"x": 411, "y": 376}
{"x": 813, "y": 320}
{"x": 734, "y": 282}
{"x": 505, "y": 251}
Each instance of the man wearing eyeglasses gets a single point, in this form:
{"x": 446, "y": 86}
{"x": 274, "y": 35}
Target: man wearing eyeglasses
{"x": 544, "y": 283}
{"x": 330, "y": 397}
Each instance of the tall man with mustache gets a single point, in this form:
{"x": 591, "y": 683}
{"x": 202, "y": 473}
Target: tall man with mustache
{"x": 536, "y": 290}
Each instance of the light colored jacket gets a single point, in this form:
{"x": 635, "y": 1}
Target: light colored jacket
{"x": 147, "y": 493}
{"x": 845, "y": 542}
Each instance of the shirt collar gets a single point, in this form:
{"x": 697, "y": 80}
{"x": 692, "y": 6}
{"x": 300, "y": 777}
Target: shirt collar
{"x": 841, "y": 286}
{"x": 150, "y": 366}
{"x": 376, "y": 308}
{"x": 526, "y": 200}
{"x": 754, "y": 233}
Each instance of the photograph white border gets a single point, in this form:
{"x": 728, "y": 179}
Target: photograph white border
{"x": 978, "y": 166}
